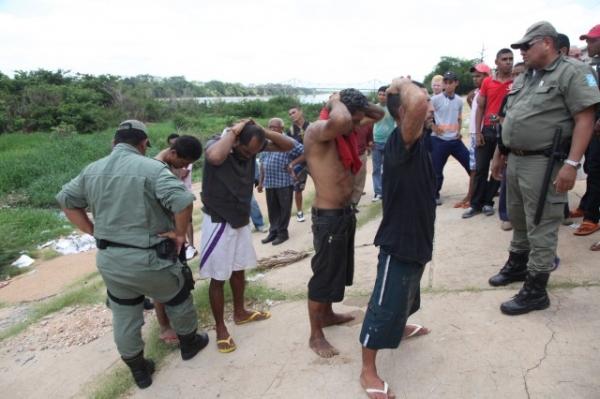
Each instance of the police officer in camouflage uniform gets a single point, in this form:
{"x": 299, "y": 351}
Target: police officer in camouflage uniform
{"x": 141, "y": 213}
{"x": 554, "y": 92}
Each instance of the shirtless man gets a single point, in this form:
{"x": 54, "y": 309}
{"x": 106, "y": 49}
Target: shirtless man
{"x": 332, "y": 159}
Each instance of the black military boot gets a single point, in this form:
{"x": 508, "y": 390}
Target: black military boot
{"x": 532, "y": 296}
{"x": 515, "y": 269}
{"x": 141, "y": 369}
{"x": 191, "y": 344}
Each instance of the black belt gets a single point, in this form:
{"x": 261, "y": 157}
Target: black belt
{"x": 103, "y": 244}
{"x": 525, "y": 153}
{"x": 332, "y": 212}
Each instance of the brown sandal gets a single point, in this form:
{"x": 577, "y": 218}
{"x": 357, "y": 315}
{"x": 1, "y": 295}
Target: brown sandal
{"x": 586, "y": 228}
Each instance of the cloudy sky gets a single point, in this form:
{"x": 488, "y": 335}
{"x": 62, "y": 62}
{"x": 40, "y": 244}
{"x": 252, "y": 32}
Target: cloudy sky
{"x": 310, "y": 42}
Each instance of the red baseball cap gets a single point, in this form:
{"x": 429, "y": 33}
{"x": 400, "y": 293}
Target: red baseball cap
{"x": 592, "y": 34}
{"x": 482, "y": 68}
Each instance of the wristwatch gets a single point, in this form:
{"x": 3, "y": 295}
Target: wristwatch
{"x": 574, "y": 164}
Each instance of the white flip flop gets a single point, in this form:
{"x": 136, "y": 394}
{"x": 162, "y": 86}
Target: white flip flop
{"x": 376, "y": 390}
{"x": 415, "y": 331}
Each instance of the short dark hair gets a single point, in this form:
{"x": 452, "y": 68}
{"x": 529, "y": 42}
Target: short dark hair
{"x": 562, "y": 40}
{"x": 249, "y": 131}
{"x": 130, "y": 136}
{"x": 295, "y": 107}
{"x": 354, "y": 100}
{"x": 503, "y": 51}
{"x": 187, "y": 147}
{"x": 382, "y": 88}
{"x": 393, "y": 100}
{"x": 519, "y": 64}
{"x": 171, "y": 137}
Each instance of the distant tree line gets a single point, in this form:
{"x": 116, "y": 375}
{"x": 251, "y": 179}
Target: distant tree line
{"x": 45, "y": 100}
{"x": 461, "y": 67}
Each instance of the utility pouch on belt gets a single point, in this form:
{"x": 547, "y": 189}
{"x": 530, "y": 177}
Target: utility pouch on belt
{"x": 188, "y": 277}
{"x": 166, "y": 250}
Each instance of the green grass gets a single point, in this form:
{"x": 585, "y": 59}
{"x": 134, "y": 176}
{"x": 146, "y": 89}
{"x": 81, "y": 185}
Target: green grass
{"x": 368, "y": 213}
{"x": 87, "y": 291}
{"x": 22, "y": 229}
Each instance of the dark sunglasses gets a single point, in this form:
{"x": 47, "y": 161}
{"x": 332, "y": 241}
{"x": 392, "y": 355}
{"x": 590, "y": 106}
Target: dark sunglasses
{"x": 527, "y": 46}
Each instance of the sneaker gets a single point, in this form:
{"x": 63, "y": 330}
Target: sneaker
{"x": 438, "y": 201}
{"x": 300, "y": 216}
{"x": 567, "y": 221}
{"x": 469, "y": 213}
{"x": 261, "y": 229}
{"x": 376, "y": 198}
{"x": 506, "y": 225}
{"x": 148, "y": 304}
{"x": 190, "y": 252}
{"x": 488, "y": 210}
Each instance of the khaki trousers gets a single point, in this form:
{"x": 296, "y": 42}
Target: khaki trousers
{"x": 524, "y": 177}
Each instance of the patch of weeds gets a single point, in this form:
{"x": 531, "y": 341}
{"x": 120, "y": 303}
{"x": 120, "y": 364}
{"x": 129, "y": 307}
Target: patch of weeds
{"x": 92, "y": 292}
{"x": 368, "y": 213}
{"x": 45, "y": 254}
{"x": 113, "y": 384}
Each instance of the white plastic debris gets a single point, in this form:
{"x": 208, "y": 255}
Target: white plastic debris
{"x": 72, "y": 244}
{"x": 23, "y": 261}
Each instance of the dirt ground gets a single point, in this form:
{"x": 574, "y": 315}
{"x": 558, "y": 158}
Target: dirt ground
{"x": 473, "y": 351}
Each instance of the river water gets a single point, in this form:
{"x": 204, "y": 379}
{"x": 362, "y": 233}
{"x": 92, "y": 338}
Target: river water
{"x": 317, "y": 98}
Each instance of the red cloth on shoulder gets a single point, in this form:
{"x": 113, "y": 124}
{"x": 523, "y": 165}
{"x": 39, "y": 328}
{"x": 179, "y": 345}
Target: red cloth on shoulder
{"x": 347, "y": 147}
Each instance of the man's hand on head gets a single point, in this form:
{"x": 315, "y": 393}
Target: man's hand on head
{"x": 239, "y": 126}
{"x": 333, "y": 98}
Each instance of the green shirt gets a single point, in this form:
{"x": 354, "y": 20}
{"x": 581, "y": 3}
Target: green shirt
{"x": 383, "y": 128}
{"x": 540, "y": 101}
{"x": 132, "y": 198}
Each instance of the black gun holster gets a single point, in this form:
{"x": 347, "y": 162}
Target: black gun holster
{"x": 188, "y": 286}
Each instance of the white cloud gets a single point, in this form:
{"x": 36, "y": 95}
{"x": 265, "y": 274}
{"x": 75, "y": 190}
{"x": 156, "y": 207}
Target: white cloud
{"x": 335, "y": 43}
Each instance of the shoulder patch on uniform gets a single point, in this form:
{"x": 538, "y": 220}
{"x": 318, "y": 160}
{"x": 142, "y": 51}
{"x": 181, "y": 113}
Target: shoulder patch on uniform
{"x": 591, "y": 80}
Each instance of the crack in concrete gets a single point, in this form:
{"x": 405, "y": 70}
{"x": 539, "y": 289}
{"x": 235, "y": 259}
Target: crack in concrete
{"x": 275, "y": 378}
{"x": 546, "y": 346}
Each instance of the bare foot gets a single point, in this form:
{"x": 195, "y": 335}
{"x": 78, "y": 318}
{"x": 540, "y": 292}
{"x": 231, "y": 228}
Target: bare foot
{"x": 322, "y": 348}
{"x": 373, "y": 382}
{"x": 168, "y": 336}
{"x": 336, "y": 318}
{"x": 414, "y": 330}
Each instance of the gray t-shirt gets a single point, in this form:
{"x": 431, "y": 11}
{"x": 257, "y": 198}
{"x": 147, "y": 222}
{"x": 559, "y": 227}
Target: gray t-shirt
{"x": 446, "y": 113}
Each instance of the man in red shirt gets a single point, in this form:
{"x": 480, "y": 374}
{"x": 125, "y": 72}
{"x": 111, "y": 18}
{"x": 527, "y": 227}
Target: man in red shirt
{"x": 492, "y": 92}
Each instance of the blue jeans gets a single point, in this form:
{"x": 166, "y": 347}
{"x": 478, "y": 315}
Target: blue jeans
{"x": 440, "y": 151}
{"x": 378, "y": 168}
{"x": 255, "y": 214}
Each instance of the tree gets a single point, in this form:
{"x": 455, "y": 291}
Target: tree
{"x": 461, "y": 67}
